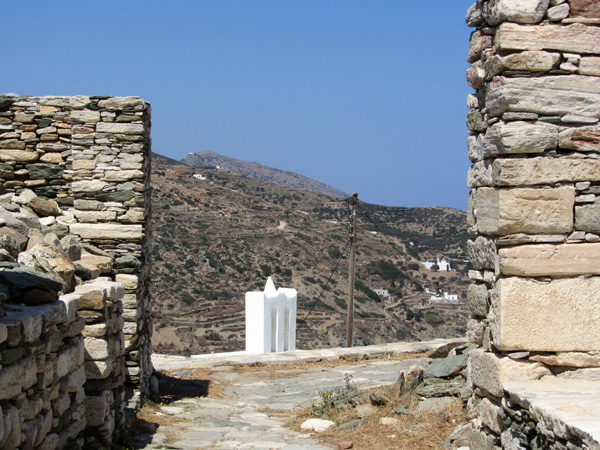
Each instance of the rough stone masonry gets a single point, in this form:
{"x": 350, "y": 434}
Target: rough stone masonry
{"x": 534, "y": 217}
{"x": 74, "y": 216}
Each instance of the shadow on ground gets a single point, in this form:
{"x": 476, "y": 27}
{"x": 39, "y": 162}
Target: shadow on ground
{"x": 171, "y": 389}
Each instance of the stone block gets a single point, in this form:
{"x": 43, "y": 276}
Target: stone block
{"x": 587, "y": 217}
{"x": 95, "y": 216}
{"x": 590, "y": 65}
{"x": 555, "y": 316}
{"x": 520, "y": 11}
{"x": 135, "y": 103}
{"x": 490, "y": 372}
{"x": 96, "y": 349}
{"x": 88, "y": 186}
{"x": 90, "y": 297}
{"x": 477, "y": 44}
{"x": 85, "y": 116}
{"x": 541, "y": 170}
{"x": 475, "y": 331}
{"x": 98, "y": 370}
{"x": 17, "y": 377}
{"x": 31, "y": 322}
{"x": 120, "y": 128}
{"x": 488, "y": 413}
{"x": 551, "y": 95}
{"x": 550, "y": 260}
{"x": 585, "y": 139}
{"x": 480, "y": 174}
{"x": 61, "y": 404}
{"x": 69, "y": 359}
{"x": 482, "y": 253}
{"x": 12, "y": 428}
{"x": 18, "y": 155}
{"x": 96, "y": 409}
{"x": 75, "y": 380}
{"x": 478, "y": 300}
{"x": 114, "y": 291}
{"x": 585, "y": 8}
{"x": 569, "y": 359}
{"x": 123, "y": 175}
{"x": 101, "y": 264}
{"x": 106, "y": 231}
{"x": 524, "y": 210}
{"x": 576, "y": 38}
{"x": 517, "y": 137}
{"x": 129, "y": 282}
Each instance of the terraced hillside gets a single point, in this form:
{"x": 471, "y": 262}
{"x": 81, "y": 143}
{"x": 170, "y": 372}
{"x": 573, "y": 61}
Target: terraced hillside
{"x": 217, "y": 238}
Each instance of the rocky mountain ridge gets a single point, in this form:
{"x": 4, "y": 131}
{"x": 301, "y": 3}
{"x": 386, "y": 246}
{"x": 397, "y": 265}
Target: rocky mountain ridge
{"x": 206, "y": 159}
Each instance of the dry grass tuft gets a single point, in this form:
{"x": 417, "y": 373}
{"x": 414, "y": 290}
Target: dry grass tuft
{"x": 414, "y": 431}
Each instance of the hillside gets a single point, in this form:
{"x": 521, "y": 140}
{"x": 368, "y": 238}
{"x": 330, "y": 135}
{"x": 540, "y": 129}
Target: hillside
{"x": 215, "y": 239}
{"x": 205, "y": 159}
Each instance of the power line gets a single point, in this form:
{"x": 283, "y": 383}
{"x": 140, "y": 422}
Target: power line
{"x": 326, "y": 284}
{"x": 348, "y": 202}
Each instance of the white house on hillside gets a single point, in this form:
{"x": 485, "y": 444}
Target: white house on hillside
{"x": 443, "y": 265}
{"x": 446, "y": 298}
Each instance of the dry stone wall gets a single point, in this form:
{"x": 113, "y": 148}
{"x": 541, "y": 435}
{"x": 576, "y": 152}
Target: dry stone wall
{"x": 74, "y": 213}
{"x": 62, "y": 378}
{"x": 534, "y": 208}
{"x": 42, "y": 376}
{"x": 91, "y": 155}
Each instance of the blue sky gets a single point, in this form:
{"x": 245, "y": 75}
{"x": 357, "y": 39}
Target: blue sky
{"x": 366, "y": 96}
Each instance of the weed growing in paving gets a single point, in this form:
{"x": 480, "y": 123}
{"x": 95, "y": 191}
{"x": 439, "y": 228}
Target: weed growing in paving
{"x": 338, "y": 398}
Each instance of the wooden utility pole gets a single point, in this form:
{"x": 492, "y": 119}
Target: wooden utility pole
{"x": 350, "y": 318}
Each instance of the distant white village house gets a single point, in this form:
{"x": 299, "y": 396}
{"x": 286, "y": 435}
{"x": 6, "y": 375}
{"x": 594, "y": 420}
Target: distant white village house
{"x": 383, "y": 293}
{"x": 445, "y": 298}
{"x": 199, "y": 176}
{"x": 443, "y": 265}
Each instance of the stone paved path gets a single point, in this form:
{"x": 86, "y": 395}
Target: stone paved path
{"x": 254, "y": 410}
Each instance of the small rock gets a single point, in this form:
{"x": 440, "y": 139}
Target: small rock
{"x": 435, "y": 404}
{"x": 574, "y": 118}
{"x": 365, "y": 410}
{"x": 317, "y": 425}
{"x": 558, "y": 12}
{"x": 378, "y": 399}
{"x": 400, "y": 410}
{"x": 389, "y": 421}
{"x": 409, "y": 380}
{"x": 345, "y": 445}
{"x": 350, "y": 425}
{"x": 447, "y": 367}
{"x": 443, "y": 350}
{"x": 441, "y": 388}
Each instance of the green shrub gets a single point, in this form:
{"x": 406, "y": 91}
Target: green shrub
{"x": 433, "y": 318}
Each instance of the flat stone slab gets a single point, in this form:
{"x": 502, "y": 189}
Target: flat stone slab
{"x": 567, "y": 407}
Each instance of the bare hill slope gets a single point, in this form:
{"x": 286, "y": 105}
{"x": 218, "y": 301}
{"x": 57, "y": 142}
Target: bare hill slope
{"x": 205, "y": 159}
{"x": 217, "y": 238}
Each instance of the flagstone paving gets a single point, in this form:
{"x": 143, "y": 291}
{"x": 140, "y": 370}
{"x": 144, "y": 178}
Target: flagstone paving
{"x": 252, "y": 413}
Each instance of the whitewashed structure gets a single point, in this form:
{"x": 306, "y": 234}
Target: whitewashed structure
{"x": 446, "y": 298}
{"x": 443, "y": 265}
{"x": 271, "y": 319}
